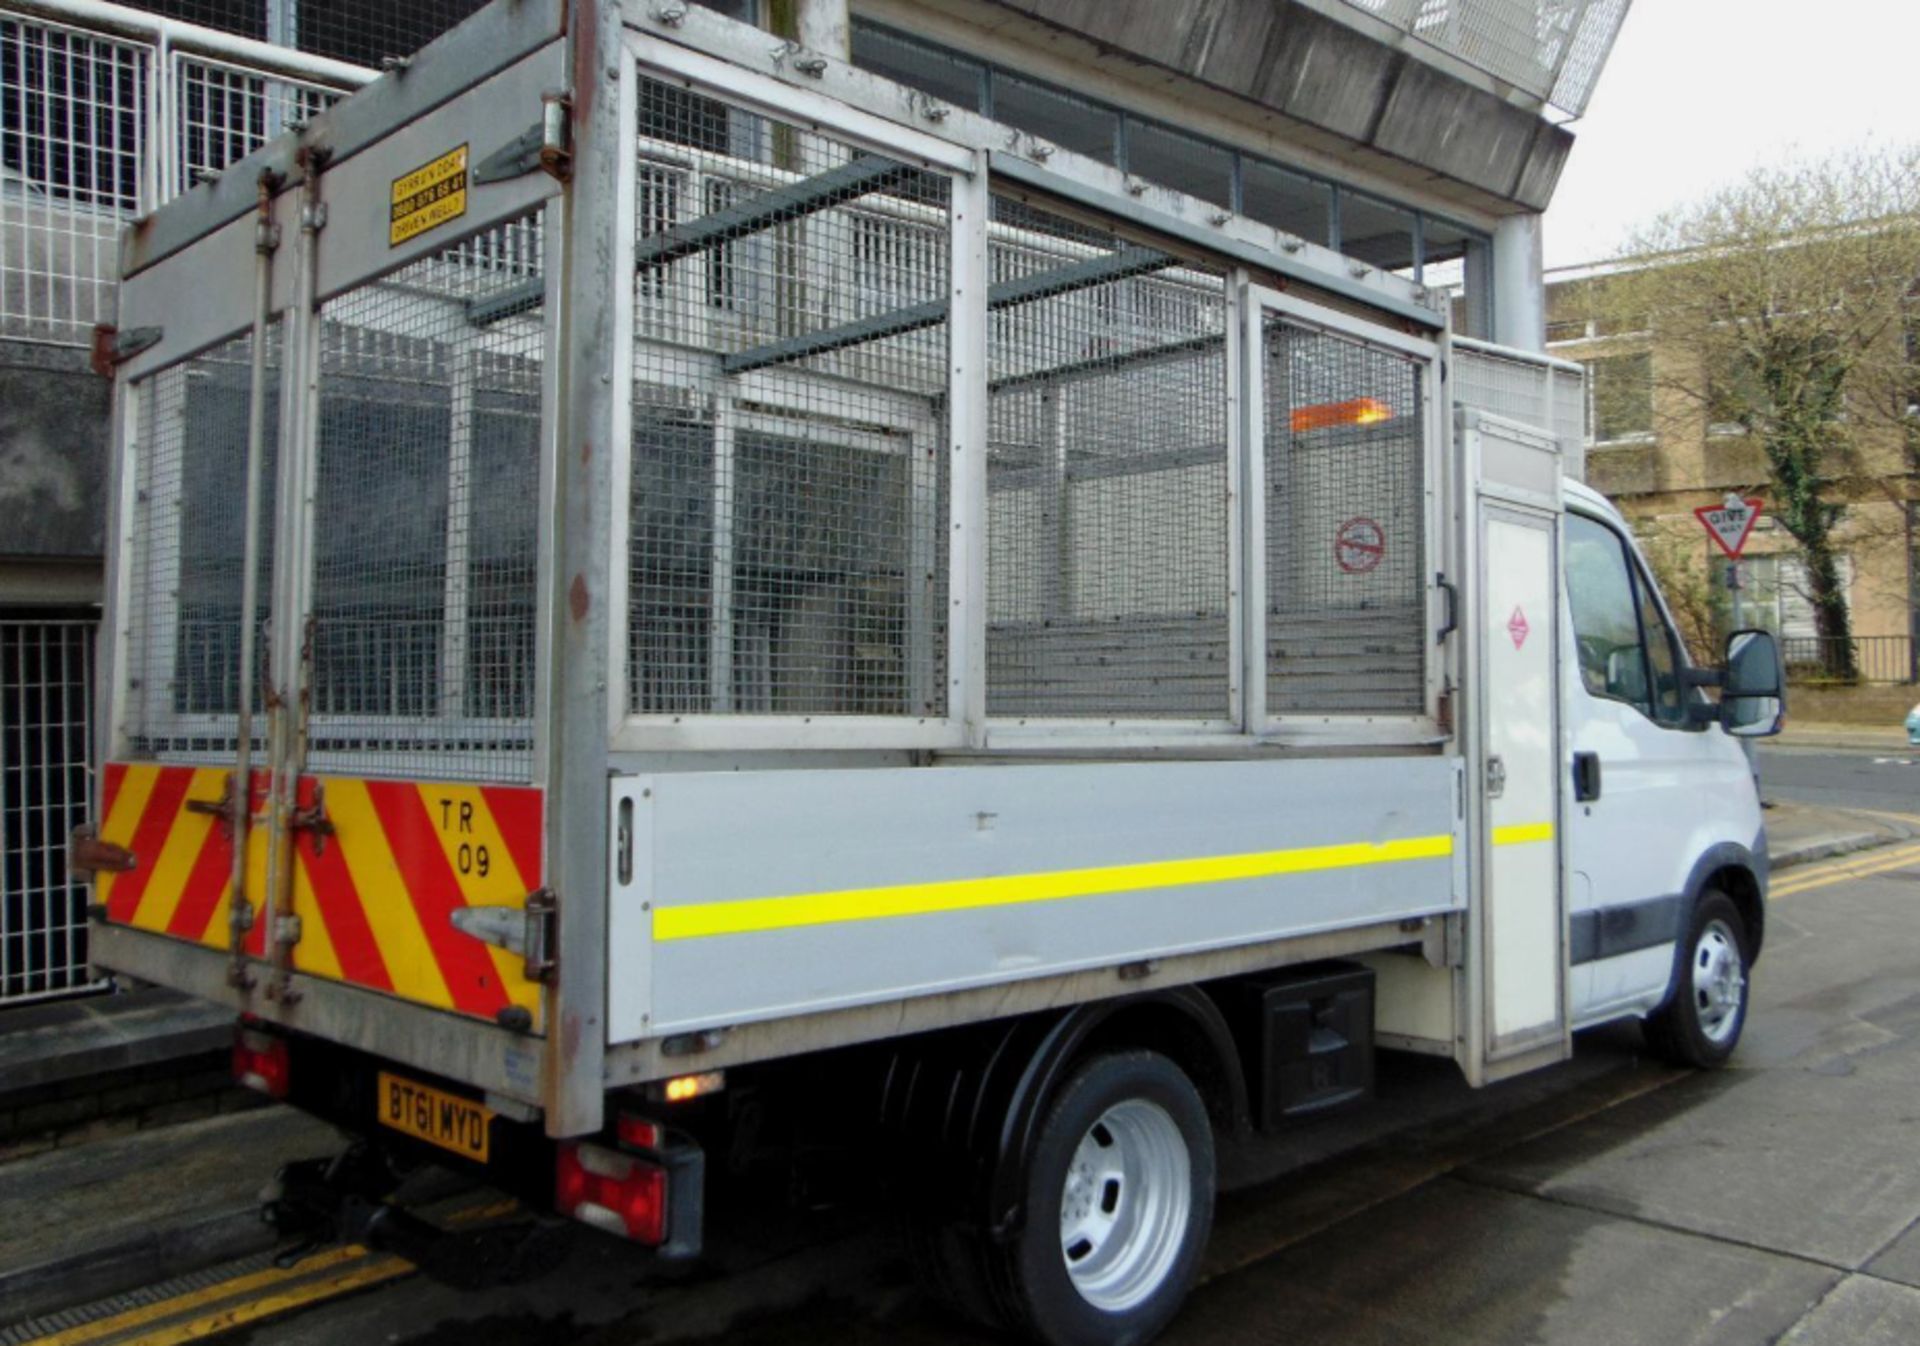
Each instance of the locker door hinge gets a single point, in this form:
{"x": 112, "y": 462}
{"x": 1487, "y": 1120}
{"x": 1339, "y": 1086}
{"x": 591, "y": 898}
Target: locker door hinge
{"x": 532, "y": 931}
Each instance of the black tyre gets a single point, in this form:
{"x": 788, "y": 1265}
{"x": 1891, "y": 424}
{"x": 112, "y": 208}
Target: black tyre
{"x": 1700, "y": 1024}
{"x": 1119, "y": 1202}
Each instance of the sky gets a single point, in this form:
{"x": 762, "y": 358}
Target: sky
{"x": 1697, "y": 92}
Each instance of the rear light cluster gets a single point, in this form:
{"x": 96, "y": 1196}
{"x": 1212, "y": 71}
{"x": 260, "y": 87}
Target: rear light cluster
{"x": 611, "y": 1191}
{"x": 261, "y": 1061}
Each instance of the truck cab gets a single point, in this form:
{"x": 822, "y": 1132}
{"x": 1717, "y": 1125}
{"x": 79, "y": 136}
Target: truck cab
{"x": 1663, "y": 812}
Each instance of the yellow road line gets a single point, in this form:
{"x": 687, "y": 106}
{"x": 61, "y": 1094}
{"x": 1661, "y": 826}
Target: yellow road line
{"x": 1847, "y": 868}
{"x": 759, "y": 914}
{"x": 271, "y": 1305}
{"x": 295, "y": 1285}
{"x": 210, "y": 1294}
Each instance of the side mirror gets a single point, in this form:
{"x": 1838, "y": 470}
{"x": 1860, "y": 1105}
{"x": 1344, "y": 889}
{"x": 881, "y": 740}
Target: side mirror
{"x": 1752, "y": 695}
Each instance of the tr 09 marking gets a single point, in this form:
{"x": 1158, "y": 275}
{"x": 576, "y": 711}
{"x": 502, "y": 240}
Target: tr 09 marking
{"x": 457, "y": 816}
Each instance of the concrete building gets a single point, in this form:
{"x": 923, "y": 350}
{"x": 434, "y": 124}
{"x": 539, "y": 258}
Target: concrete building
{"x": 1422, "y": 137}
{"x": 1660, "y": 454}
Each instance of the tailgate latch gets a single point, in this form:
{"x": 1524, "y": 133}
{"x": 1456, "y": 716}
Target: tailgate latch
{"x": 530, "y": 930}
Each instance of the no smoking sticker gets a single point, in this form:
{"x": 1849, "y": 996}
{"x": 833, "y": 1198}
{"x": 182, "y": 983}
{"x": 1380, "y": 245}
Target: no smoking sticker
{"x": 1359, "y": 545}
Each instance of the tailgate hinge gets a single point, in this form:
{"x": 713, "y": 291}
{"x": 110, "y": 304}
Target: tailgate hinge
{"x": 532, "y": 931}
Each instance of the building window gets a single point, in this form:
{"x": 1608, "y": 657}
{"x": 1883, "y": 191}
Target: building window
{"x": 1775, "y": 595}
{"x": 1163, "y": 155}
{"x": 1069, "y": 122}
{"x": 1376, "y": 232}
{"x": 935, "y": 71}
{"x": 1287, "y": 201}
{"x": 1621, "y": 391}
{"x": 1392, "y": 238}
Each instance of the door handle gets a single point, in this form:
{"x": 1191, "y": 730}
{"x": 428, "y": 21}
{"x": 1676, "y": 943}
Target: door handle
{"x": 1586, "y": 777}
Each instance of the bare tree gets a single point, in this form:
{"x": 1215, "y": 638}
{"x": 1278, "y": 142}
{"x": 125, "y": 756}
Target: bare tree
{"x": 1784, "y": 308}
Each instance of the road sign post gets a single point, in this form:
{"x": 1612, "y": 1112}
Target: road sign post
{"x": 1730, "y": 524}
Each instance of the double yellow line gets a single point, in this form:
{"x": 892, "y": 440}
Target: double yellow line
{"x": 1844, "y": 869}
{"x": 213, "y": 1310}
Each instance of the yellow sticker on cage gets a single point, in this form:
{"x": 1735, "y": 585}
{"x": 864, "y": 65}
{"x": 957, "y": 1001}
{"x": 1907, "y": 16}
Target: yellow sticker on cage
{"x": 428, "y": 197}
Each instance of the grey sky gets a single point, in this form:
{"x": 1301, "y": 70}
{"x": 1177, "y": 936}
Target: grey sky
{"x": 1699, "y": 91}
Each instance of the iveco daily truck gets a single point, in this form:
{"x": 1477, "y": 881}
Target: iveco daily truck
{"x": 646, "y": 568}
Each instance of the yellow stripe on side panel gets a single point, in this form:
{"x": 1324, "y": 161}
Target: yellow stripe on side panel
{"x": 1521, "y": 833}
{"x": 483, "y": 867}
{"x": 186, "y": 834}
{"x": 757, "y": 914}
{"x": 136, "y": 788}
{"x": 383, "y": 895}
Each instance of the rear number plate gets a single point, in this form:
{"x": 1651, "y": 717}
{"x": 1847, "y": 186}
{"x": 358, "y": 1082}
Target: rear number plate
{"x": 447, "y": 1120}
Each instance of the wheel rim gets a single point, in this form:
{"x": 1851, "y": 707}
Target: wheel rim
{"x": 1125, "y": 1205}
{"x": 1719, "y": 982}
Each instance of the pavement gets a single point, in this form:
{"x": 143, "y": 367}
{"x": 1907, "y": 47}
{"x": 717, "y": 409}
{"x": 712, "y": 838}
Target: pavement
{"x": 112, "y": 1216}
{"x": 1890, "y": 738}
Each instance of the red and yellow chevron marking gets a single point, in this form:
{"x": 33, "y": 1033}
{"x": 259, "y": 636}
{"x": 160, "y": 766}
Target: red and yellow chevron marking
{"x": 375, "y": 900}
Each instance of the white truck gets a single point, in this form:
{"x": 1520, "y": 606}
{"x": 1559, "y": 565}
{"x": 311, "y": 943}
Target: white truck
{"x": 656, "y": 579}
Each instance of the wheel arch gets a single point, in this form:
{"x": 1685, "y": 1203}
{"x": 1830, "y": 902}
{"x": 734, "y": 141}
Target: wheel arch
{"x": 972, "y": 1102}
{"x": 1740, "y": 872}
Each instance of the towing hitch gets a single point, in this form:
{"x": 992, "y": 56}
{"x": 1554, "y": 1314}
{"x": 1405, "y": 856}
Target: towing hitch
{"x": 314, "y": 1203}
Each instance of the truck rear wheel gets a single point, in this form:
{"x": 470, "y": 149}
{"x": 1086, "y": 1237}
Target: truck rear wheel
{"x": 1119, "y": 1200}
{"x": 1701, "y": 1022}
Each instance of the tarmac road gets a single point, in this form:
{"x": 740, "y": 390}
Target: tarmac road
{"x": 1609, "y": 1200}
{"x": 1885, "y": 779}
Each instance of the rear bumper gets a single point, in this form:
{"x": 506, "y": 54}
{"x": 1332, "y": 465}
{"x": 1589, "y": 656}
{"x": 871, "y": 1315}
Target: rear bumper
{"x": 469, "y": 1052}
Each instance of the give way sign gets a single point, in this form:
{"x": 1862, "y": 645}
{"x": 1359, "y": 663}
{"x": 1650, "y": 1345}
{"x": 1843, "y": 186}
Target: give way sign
{"x": 1731, "y": 524}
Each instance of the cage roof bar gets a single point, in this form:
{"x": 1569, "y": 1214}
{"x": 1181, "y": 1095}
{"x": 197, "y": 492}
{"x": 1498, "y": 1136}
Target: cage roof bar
{"x": 836, "y": 186}
{"x": 1007, "y": 294}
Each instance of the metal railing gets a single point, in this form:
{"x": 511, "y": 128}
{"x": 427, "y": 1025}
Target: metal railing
{"x": 46, "y": 688}
{"x": 1886, "y": 659}
{"x": 1552, "y": 49}
{"x": 106, "y": 113}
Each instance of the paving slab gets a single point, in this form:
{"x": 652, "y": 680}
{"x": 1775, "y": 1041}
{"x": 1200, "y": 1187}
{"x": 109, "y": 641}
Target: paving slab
{"x": 1861, "y": 1311}
{"x": 1455, "y": 1263}
{"x": 1815, "y": 1163}
{"x": 1900, "y": 1261}
{"x": 83, "y": 1223}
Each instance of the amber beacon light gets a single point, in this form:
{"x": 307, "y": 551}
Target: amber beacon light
{"x": 1324, "y": 415}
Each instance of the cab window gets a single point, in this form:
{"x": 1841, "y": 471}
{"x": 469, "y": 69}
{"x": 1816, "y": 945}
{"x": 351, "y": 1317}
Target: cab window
{"x": 1606, "y": 619}
{"x": 1663, "y": 655}
{"x": 1627, "y": 650}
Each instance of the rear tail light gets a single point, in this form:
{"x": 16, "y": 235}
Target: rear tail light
{"x": 612, "y": 1191}
{"x": 261, "y": 1061}
{"x": 638, "y": 1133}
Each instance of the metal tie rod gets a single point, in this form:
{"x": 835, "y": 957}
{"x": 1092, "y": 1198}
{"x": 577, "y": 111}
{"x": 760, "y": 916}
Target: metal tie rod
{"x": 1007, "y": 294}
{"x": 809, "y": 196}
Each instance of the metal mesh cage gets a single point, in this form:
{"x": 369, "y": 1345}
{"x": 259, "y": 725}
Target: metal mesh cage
{"x": 426, "y": 514}
{"x": 1524, "y": 388}
{"x": 73, "y": 123}
{"x": 789, "y": 447}
{"x": 1106, "y": 476}
{"x": 1345, "y": 510}
{"x": 182, "y": 674}
{"x": 46, "y": 686}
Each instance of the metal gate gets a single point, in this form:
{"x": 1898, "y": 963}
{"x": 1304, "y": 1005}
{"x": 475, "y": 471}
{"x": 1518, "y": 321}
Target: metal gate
{"x": 46, "y": 740}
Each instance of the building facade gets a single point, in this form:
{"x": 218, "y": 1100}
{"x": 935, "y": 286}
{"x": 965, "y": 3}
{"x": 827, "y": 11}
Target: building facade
{"x": 1660, "y": 452}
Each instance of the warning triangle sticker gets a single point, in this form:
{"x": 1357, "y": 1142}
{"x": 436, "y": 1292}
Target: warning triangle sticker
{"x": 1731, "y": 524}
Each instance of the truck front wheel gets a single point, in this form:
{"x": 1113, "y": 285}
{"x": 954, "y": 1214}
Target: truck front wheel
{"x": 1119, "y": 1201}
{"x": 1700, "y": 1024}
